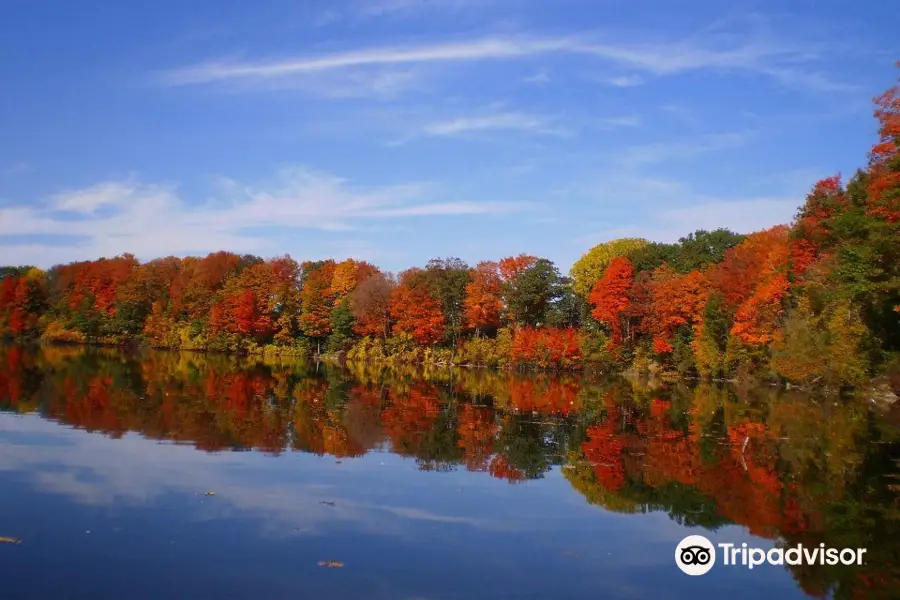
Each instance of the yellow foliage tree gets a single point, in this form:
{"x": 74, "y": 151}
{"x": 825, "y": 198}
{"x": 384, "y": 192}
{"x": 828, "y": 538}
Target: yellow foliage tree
{"x": 822, "y": 347}
{"x": 588, "y": 269}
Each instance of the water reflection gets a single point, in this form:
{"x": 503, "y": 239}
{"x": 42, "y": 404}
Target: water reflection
{"x": 781, "y": 466}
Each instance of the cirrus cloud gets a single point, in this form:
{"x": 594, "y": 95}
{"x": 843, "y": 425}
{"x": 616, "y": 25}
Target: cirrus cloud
{"x": 783, "y": 62}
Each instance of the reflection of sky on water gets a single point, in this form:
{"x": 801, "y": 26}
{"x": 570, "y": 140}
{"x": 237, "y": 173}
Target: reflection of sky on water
{"x": 401, "y": 532}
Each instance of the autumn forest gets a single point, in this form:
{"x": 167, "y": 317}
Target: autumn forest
{"x": 816, "y": 302}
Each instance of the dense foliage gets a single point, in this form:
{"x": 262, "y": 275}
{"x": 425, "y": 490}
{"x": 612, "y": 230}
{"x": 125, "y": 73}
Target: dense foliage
{"x": 816, "y": 302}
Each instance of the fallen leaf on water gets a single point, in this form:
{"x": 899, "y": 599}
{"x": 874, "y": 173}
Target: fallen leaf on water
{"x": 331, "y": 564}
{"x": 9, "y": 540}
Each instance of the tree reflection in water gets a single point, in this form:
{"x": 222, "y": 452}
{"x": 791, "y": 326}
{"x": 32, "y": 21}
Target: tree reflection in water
{"x": 785, "y": 466}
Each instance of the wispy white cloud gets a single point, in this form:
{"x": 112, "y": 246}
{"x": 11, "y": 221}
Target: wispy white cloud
{"x": 620, "y": 121}
{"x": 657, "y": 58}
{"x": 539, "y": 77}
{"x": 382, "y": 83}
{"x": 508, "y": 121}
{"x": 472, "y": 50}
{"x": 153, "y": 220}
{"x": 624, "y": 80}
{"x": 793, "y": 77}
{"x": 88, "y": 200}
{"x": 378, "y": 82}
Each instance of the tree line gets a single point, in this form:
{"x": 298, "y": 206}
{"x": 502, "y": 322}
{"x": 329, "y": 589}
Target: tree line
{"x": 814, "y": 302}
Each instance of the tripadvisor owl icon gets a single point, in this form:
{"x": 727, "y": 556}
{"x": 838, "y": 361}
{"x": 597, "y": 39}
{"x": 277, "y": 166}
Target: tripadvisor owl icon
{"x": 695, "y": 555}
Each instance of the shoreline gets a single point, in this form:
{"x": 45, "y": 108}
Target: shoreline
{"x": 879, "y": 389}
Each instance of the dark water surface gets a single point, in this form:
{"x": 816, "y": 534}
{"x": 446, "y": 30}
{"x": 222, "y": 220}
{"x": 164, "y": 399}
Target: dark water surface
{"x": 463, "y": 484}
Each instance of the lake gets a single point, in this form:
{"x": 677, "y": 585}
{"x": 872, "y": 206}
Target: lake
{"x": 147, "y": 475}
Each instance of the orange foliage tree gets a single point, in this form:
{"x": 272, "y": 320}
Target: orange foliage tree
{"x": 743, "y": 266}
{"x": 347, "y": 275}
{"x": 259, "y": 301}
{"x": 675, "y": 300}
{"x": 884, "y": 160}
{"x": 483, "y": 302}
{"x": 513, "y": 266}
{"x": 546, "y": 347}
{"x": 244, "y": 313}
{"x": 415, "y": 311}
{"x": 611, "y": 298}
{"x": 193, "y": 291}
{"x": 812, "y": 234}
{"x": 759, "y": 315}
{"x": 317, "y": 299}
{"x": 371, "y": 305}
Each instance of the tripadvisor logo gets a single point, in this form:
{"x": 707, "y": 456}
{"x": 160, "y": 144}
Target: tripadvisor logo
{"x": 696, "y": 555}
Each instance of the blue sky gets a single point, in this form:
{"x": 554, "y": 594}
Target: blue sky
{"x": 399, "y": 130}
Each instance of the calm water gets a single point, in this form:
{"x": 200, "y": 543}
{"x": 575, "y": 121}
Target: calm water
{"x": 464, "y": 484}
